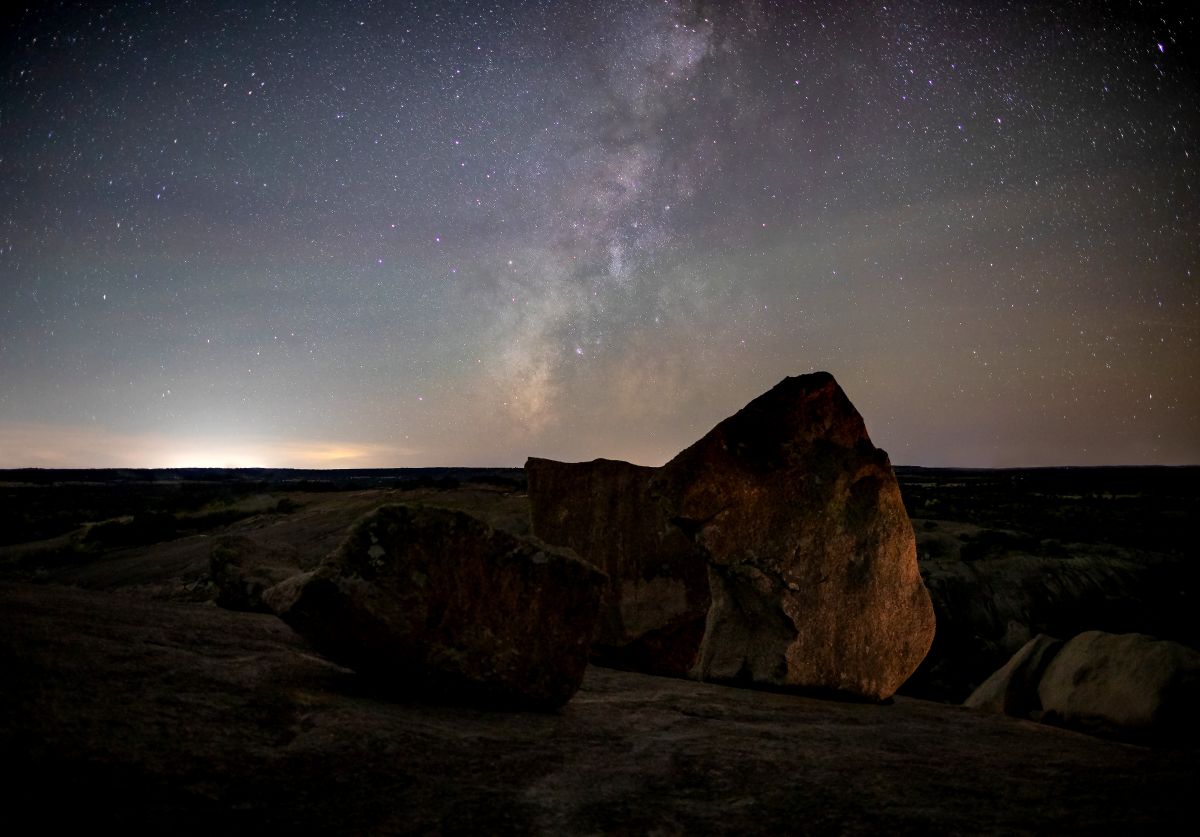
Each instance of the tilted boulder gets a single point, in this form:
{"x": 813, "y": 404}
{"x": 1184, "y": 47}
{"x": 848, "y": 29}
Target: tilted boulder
{"x": 1013, "y": 689}
{"x": 809, "y": 554}
{"x": 812, "y": 558}
{"x": 437, "y": 602}
{"x": 1129, "y": 685}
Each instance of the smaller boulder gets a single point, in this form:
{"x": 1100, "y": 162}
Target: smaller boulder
{"x": 438, "y": 603}
{"x": 1013, "y": 689}
{"x": 1126, "y": 685}
{"x": 243, "y": 568}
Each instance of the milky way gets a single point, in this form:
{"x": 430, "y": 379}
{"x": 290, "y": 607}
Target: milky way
{"x": 397, "y": 234}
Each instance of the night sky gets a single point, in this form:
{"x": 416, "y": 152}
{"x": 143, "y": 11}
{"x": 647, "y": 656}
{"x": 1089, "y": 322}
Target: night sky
{"x": 457, "y": 233}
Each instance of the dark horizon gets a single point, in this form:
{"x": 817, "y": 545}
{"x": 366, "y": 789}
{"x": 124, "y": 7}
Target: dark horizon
{"x": 484, "y": 469}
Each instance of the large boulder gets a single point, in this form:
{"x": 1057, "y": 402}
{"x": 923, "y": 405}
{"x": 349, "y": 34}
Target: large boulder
{"x": 812, "y": 558}
{"x": 1130, "y": 685}
{"x": 437, "y": 602}
{"x": 798, "y": 523}
{"x": 1013, "y": 689}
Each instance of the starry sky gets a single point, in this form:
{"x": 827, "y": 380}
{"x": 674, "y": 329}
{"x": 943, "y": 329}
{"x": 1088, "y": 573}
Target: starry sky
{"x": 461, "y": 233}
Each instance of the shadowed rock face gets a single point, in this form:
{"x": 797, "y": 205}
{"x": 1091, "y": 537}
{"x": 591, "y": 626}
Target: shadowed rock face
{"x": 654, "y": 608}
{"x": 436, "y": 601}
{"x": 242, "y": 569}
{"x": 797, "y": 518}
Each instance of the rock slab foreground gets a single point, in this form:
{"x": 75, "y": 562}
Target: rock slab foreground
{"x": 124, "y": 714}
{"x": 775, "y": 551}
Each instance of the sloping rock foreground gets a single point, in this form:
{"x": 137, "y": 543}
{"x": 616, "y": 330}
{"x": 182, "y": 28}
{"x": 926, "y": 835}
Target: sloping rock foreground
{"x": 774, "y": 551}
{"x": 156, "y": 717}
{"x": 438, "y": 601}
{"x": 1128, "y": 686}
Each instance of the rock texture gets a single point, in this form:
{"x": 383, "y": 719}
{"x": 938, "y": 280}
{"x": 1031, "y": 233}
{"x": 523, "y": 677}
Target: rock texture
{"x": 657, "y": 599}
{"x": 1013, "y": 689}
{"x": 797, "y": 518}
{"x": 1126, "y": 684}
{"x": 436, "y": 601}
{"x": 243, "y": 568}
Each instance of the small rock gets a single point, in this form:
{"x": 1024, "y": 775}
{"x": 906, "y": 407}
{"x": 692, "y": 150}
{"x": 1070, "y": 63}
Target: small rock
{"x": 1128, "y": 685}
{"x": 243, "y": 569}
{"x": 988, "y": 609}
{"x": 1013, "y": 689}
{"x": 437, "y": 602}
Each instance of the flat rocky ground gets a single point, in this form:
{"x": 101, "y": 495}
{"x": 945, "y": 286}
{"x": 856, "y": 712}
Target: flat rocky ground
{"x": 129, "y": 699}
{"x": 174, "y": 717}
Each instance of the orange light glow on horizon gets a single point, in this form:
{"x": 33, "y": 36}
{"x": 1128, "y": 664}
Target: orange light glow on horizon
{"x": 28, "y": 445}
